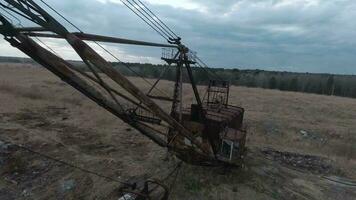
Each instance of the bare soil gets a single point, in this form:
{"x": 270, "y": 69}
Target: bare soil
{"x": 41, "y": 112}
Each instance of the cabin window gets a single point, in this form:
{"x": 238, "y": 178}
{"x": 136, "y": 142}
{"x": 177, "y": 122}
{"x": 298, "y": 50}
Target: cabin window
{"x": 187, "y": 142}
{"x": 227, "y": 147}
{"x": 237, "y": 146}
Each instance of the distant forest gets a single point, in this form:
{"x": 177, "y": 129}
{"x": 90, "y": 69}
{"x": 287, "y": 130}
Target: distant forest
{"x": 326, "y": 84}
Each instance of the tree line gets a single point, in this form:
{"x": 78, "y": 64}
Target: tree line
{"x": 326, "y": 84}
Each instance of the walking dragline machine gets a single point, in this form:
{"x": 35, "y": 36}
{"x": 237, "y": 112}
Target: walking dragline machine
{"x": 209, "y": 132}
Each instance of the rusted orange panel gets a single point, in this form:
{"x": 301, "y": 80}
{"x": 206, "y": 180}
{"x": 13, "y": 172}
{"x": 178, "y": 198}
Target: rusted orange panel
{"x": 234, "y": 135}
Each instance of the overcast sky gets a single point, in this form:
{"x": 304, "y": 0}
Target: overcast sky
{"x": 284, "y": 35}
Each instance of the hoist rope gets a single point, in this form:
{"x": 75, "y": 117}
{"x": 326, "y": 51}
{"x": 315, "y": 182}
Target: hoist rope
{"x": 103, "y": 48}
{"x": 156, "y": 17}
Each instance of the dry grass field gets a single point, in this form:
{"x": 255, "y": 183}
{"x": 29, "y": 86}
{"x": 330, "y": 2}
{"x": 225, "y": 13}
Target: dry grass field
{"x": 45, "y": 114}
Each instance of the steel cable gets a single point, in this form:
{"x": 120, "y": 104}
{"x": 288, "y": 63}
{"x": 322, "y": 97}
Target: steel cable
{"x": 158, "y": 19}
{"x": 54, "y": 10}
{"x": 152, "y": 18}
{"x": 107, "y": 51}
{"x": 161, "y": 24}
{"x": 200, "y": 63}
{"x": 129, "y": 7}
{"x": 168, "y": 30}
{"x": 9, "y": 14}
{"x": 138, "y": 8}
{"x": 100, "y": 81}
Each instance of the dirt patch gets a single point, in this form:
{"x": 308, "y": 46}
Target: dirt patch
{"x": 309, "y": 163}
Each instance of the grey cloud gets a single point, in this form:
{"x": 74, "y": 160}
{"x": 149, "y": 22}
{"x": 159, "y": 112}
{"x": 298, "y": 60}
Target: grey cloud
{"x": 265, "y": 34}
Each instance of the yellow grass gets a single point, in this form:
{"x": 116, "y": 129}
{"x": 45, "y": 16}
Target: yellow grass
{"x": 274, "y": 119}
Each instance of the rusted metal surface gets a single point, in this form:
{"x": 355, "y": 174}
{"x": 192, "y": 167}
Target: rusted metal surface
{"x": 97, "y": 38}
{"x": 110, "y": 88}
{"x": 58, "y": 66}
{"x": 160, "y": 98}
{"x": 195, "y": 135}
{"x": 218, "y": 92}
{"x": 30, "y": 29}
{"x": 61, "y": 68}
{"x": 208, "y": 133}
{"x": 87, "y": 53}
{"x": 192, "y": 82}
{"x": 90, "y": 57}
{"x": 222, "y": 114}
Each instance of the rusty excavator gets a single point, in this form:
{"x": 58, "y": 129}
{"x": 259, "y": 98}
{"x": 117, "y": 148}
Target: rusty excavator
{"x": 209, "y": 132}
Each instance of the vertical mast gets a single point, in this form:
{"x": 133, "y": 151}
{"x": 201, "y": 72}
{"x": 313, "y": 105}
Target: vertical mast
{"x": 177, "y": 105}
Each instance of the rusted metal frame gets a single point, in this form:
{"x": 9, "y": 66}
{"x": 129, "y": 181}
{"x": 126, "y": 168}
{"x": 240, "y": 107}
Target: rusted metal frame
{"x": 100, "y": 38}
{"x": 180, "y": 94}
{"x": 29, "y": 6}
{"x": 160, "y": 77}
{"x": 223, "y": 110}
{"x": 87, "y": 53}
{"x": 228, "y": 94}
{"x": 31, "y": 29}
{"x": 154, "y": 85}
{"x": 199, "y": 102}
{"x": 6, "y": 27}
{"x": 7, "y": 18}
{"x": 233, "y": 109}
{"x": 222, "y": 116}
{"x": 146, "y": 126}
{"x": 177, "y": 85}
{"x": 42, "y": 18}
{"x": 177, "y": 98}
{"x": 102, "y": 83}
{"x": 142, "y": 118}
{"x": 111, "y": 89}
{"x": 106, "y": 87}
{"x": 157, "y": 81}
{"x": 177, "y": 94}
{"x": 172, "y": 139}
{"x": 151, "y": 133}
{"x": 194, "y": 86}
{"x": 160, "y": 98}
{"x": 152, "y": 128}
{"x": 42, "y": 35}
{"x": 15, "y": 11}
{"x": 5, "y": 23}
{"x": 238, "y": 107}
{"x": 227, "y": 111}
{"x": 60, "y": 68}
{"x": 197, "y": 158}
{"x": 229, "y": 107}
{"x": 179, "y": 80}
